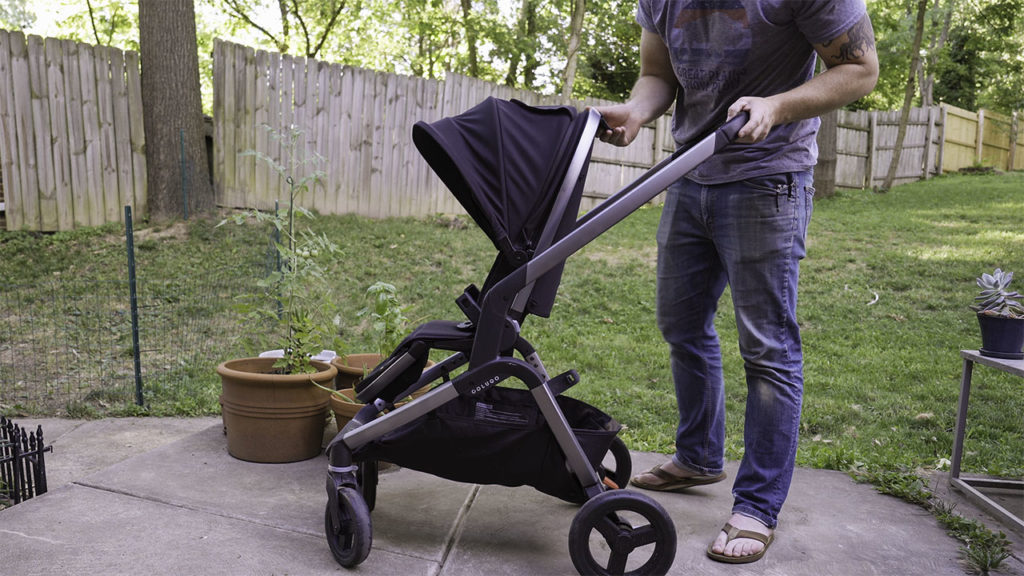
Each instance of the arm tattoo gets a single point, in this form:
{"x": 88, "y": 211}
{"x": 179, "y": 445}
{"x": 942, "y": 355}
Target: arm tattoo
{"x": 860, "y": 39}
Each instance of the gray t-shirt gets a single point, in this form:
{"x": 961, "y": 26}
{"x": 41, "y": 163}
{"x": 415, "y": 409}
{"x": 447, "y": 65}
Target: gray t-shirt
{"x": 722, "y": 50}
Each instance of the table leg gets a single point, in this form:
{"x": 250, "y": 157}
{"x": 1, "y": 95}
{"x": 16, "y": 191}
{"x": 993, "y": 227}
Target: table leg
{"x": 961, "y": 419}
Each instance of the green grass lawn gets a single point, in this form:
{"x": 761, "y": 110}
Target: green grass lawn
{"x": 883, "y": 305}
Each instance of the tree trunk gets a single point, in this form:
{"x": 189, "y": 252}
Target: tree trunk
{"x": 576, "y": 28}
{"x": 908, "y": 96}
{"x": 177, "y": 175}
{"x": 471, "y": 37}
{"x": 938, "y": 42}
{"x": 522, "y": 46}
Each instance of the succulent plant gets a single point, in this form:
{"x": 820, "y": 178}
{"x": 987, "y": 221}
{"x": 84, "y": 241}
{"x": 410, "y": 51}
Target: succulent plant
{"x": 995, "y": 298}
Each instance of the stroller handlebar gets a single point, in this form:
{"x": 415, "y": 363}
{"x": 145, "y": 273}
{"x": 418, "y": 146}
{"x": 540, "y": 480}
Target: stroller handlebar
{"x": 724, "y": 135}
{"x": 727, "y": 133}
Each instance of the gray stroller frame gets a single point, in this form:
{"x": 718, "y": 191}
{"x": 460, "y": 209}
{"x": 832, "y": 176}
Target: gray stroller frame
{"x": 351, "y": 483}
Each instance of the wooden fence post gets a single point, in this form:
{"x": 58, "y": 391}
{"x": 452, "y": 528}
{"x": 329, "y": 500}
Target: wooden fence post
{"x": 1011, "y": 163}
{"x": 659, "y": 137}
{"x": 825, "y": 171}
{"x": 941, "y": 156}
{"x": 980, "y": 141}
{"x": 869, "y": 171}
{"x": 929, "y": 138}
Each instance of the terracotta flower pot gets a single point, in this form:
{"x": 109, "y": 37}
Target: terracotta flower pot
{"x": 273, "y": 417}
{"x": 351, "y": 369}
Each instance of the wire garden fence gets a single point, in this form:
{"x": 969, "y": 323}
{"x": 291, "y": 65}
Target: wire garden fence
{"x": 81, "y": 346}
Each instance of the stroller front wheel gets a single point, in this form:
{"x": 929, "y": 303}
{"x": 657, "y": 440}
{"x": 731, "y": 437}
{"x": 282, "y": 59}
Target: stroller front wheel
{"x": 350, "y": 531}
{"x": 616, "y": 524}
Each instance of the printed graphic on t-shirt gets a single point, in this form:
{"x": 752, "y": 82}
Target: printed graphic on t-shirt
{"x": 710, "y": 42}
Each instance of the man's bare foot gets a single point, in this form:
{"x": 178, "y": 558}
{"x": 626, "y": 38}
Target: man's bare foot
{"x": 739, "y": 547}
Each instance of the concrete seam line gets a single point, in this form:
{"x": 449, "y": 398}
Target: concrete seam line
{"x": 453, "y": 536}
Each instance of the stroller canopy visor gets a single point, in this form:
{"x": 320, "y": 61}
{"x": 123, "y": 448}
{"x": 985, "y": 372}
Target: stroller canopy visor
{"x": 505, "y": 161}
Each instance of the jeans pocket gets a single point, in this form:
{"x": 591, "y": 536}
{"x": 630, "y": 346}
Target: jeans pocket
{"x": 771, "y": 184}
{"x": 808, "y": 209}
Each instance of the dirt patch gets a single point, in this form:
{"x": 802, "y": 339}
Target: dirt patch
{"x": 176, "y": 231}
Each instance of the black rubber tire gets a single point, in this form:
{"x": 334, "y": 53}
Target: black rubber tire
{"x": 623, "y": 469}
{"x": 367, "y": 475}
{"x": 350, "y": 543}
{"x": 620, "y": 537}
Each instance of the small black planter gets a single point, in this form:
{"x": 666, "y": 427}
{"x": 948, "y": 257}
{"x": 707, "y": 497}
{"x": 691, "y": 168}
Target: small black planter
{"x": 1001, "y": 337}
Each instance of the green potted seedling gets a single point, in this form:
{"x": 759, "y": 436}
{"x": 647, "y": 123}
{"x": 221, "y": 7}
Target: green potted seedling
{"x": 275, "y": 408}
{"x": 386, "y": 317}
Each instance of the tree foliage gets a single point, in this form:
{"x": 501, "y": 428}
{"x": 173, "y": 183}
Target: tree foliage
{"x": 292, "y": 26}
{"x": 973, "y": 51}
{"x": 15, "y": 15}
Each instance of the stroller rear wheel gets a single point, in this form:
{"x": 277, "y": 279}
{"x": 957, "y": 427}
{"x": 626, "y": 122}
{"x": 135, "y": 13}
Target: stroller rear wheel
{"x": 625, "y": 522}
{"x": 351, "y": 536}
{"x": 622, "y": 466}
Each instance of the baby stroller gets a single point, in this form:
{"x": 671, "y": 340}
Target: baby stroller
{"x": 519, "y": 172}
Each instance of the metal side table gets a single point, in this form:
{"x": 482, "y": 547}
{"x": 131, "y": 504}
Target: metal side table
{"x": 970, "y": 486}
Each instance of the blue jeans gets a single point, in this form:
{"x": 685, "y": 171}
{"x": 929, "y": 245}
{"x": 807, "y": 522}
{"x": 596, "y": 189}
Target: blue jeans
{"x": 749, "y": 235}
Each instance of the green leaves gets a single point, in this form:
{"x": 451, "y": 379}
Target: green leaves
{"x": 297, "y": 299}
{"x": 387, "y": 315}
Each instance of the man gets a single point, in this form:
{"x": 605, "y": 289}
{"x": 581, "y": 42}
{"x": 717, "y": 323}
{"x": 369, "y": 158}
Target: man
{"x": 740, "y": 219}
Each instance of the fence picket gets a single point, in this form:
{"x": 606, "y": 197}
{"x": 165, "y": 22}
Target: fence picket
{"x": 93, "y": 204}
{"x": 9, "y": 151}
{"x": 75, "y": 133}
{"x": 59, "y": 146}
{"x": 248, "y": 96}
{"x": 261, "y": 116}
{"x": 108, "y": 151}
{"x": 122, "y": 130}
{"x": 136, "y": 133}
{"x": 47, "y": 204}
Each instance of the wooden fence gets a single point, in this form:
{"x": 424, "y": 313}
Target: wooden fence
{"x": 982, "y": 137}
{"x": 71, "y": 137}
{"x": 865, "y": 140}
{"x": 939, "y": 139}
{"x": 72, "y": 144}
{"x": 360, "y": 122}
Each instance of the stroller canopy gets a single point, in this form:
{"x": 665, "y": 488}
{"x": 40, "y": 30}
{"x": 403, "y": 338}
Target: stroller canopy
{"x": 505, "y": 161}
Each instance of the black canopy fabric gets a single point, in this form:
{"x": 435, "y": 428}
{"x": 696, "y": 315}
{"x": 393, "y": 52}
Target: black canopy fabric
{"x": 504, "y": 161}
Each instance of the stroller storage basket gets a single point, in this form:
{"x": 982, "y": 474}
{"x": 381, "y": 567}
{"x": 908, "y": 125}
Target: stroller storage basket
{"x": 499, "y": 437}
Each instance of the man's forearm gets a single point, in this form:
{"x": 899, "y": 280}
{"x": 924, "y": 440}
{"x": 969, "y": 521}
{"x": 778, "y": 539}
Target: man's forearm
{"x": 651, "y": 97}
{"x": 832, "y": 89}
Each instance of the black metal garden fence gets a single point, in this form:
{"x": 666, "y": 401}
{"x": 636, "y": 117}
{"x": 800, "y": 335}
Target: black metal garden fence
{"x": 77, "y": 345}
{"x": 22, "y": 463}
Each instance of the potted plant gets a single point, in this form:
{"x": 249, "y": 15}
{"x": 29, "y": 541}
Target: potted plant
{"x": 273, "y": 408}
{"x": 1000, "y": 316}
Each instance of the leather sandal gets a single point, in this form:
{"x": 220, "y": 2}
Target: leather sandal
{"x": 672, "y": 483}
{"x": 732, "y": 533}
